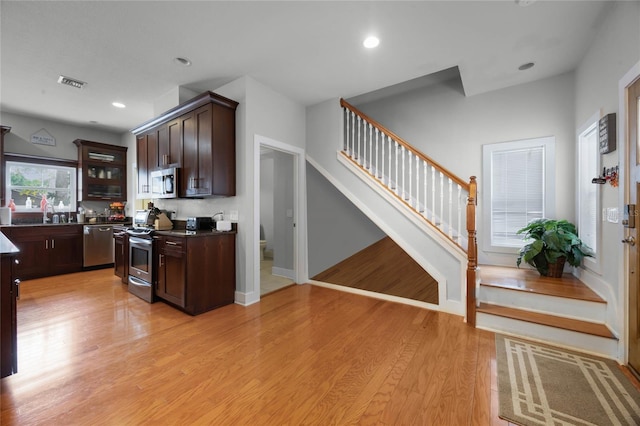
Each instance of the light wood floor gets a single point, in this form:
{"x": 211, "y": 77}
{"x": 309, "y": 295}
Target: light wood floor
{"x": 92, "y": 354}
{"x": 376, "y": 267}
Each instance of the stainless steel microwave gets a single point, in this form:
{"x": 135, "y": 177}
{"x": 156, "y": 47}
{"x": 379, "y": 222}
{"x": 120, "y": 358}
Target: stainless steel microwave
{"x": 164, "y": 183}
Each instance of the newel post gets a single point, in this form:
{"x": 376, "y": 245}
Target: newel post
{"x": 472, "y": 251}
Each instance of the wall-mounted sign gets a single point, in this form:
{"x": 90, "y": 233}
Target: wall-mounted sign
{"x": 42, "y": 137}
{"x": 607, "y": 133}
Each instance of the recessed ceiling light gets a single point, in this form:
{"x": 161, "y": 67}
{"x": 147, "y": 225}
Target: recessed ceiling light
{"x": 118, "y": 104}
{"x": 371, "y": 42}
{"x": 526, "y": 66}
{"x": 182, "y": 61}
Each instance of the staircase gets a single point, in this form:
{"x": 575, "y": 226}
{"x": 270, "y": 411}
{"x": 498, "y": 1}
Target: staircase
{"x": 430, "y": 213}
{"x": 563, "y": 312}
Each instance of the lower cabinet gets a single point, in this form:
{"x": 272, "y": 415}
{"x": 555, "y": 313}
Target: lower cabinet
{"x": 121, "y": 253}
{"x": 47, "y": 250}
{"x": 196, "y": 273}
{"x": 9, "y": 287}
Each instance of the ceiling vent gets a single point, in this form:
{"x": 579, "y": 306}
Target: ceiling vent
{"x": 71, "y": 82}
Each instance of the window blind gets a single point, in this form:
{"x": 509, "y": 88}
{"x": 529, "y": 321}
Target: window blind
{"x": 517, "y": 192}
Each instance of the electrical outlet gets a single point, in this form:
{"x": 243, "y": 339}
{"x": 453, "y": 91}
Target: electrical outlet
{"x": 233, "y": 215}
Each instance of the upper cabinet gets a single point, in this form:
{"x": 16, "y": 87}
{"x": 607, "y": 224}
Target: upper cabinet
{"x": 103, "y": 171}
{"x": 199, "y": 138}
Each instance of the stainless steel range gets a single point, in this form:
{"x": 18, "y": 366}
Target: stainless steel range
{"x": 141, "y": 259}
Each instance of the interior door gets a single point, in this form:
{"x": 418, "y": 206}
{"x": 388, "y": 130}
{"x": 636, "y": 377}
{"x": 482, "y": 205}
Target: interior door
{"x": 633, "y": 109}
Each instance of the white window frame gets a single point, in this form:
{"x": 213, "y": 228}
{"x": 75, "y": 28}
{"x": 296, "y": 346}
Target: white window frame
{"x": 21, "y": 208}
{"x": 594, "y": 264}
{"x": 549, "y": 209}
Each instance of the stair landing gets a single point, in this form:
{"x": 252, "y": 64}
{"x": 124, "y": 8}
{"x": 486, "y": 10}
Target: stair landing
{"x": 529, "y": 280}
{"x": 562, "y": 311}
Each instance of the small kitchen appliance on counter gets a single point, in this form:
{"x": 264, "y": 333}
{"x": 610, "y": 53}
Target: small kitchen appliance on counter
{"x": 197, "y": 223}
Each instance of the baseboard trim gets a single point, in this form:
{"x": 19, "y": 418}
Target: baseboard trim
{"x": 283, "y": 272}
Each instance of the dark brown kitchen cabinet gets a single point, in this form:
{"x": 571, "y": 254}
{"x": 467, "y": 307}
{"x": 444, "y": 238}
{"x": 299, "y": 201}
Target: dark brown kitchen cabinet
{"x": 196, "y": 273}
{"x": 170, "y": 144}
{"x": 121, "y": 252}
{"x": 103, "y": 171}
{"x": 47, "y": 250}
{"x": 171, "y": 279}
{"x": 147, "y": 158}
{"x": 209, "y": 153}
{"x": 197, "y": 136}
{"x": 3, "y": 201}
{"x": 9, "y": 292}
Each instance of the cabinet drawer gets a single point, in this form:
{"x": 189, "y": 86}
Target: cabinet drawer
{"x": 171, "y": 244}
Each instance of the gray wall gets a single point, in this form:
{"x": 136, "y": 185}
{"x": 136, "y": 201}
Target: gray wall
{"x": 336, "y": 229}
{"x": 22, "y": 127}
{"x": 282, "y": 205}
{"x": 614, "y": 51}
{"x": 266, "y": 196}
{"x": 451, "y": 128}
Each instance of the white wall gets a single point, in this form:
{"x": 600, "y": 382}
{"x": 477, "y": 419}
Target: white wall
{"x": 451, "y": 128}
{"x": 283, "y": 203}
{"x": 615, "y": 49}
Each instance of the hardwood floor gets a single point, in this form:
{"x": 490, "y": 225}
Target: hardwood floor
{"x": 91, "y": 353}
{"x": 376, "y": 267}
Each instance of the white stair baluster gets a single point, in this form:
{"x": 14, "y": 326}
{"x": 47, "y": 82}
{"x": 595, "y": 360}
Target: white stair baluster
{"x": 441, "y": 200}
{"x": 459, "y": 228}
{"x": 417, "y": 202}
{"x": 433, "y": 195}
{"x": 407, "y": 195}
{"x": 381, "y": 174}
{"x": 390, "y": 170}
{"x": 402, "y": 194}
{"x": 396, "y": 182}
{"x": 370, "y": 149}
{"x": 363, "y": 157}
{"x": 424, "y": 211}
{"x": 377, "y": 169}
{"x": 450, "y": 207}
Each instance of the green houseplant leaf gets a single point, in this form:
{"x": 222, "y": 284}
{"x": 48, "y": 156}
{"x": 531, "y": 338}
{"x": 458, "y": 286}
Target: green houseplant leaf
{"x": 551, "y": 240}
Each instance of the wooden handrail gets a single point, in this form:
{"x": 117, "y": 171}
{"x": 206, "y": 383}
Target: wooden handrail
{"x": 402, "y": 142}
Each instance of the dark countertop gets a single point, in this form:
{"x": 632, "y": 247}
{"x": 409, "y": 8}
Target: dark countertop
{"x": 190, "y": 234}
{"x": 6, "y": 246}
{"x": 32, "y": 225}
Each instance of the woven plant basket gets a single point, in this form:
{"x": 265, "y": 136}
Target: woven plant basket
{"x": 555, "y": 269}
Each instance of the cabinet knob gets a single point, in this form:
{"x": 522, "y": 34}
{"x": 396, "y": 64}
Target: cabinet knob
{"x": 16, "y": 261}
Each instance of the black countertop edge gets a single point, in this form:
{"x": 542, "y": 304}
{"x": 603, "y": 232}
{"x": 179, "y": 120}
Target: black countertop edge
{"x": 199, "y": 233}
{"x": 31, "y": 225}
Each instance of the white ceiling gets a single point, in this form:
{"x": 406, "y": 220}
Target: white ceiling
{"x": 308, "y": 51}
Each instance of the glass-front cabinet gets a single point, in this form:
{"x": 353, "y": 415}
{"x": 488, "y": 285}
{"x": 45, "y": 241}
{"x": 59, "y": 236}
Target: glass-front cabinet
{"x": 103, "y": 171}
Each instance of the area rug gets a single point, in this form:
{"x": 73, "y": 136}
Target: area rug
{"x": 543, "y": 385}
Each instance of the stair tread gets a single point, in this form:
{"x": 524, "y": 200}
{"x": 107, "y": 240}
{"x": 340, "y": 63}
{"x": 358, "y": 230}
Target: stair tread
{"x": 529, "y": 280}
{"x": 596, "y": 329}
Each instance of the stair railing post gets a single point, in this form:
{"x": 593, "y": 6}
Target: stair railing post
{"x": 472, "y": 252}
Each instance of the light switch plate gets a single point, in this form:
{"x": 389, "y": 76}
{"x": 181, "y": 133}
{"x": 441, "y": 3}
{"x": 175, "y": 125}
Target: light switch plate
{"x": 612, "y": 214}
{"x": 233, "y": 215}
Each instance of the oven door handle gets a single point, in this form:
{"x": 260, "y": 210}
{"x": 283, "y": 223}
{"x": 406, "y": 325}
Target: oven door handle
{"x": 141, "y": 241}
{"x": 137, "y": 281}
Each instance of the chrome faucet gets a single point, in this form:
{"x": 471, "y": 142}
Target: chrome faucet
{"x": 47, "y": 206}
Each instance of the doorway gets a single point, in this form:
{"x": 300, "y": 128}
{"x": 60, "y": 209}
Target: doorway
{"x": 276, "y": 220}
{"x": 296, "y": 225}
{"x": 632, "y": 108}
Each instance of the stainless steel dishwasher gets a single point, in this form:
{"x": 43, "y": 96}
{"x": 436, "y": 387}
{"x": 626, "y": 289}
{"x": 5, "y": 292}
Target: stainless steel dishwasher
{"x": 98, "y": 245}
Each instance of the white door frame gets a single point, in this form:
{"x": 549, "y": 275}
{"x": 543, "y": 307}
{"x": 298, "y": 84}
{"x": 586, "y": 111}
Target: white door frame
{"x": 632, "y": 75}
{"x": 299, "y": 215}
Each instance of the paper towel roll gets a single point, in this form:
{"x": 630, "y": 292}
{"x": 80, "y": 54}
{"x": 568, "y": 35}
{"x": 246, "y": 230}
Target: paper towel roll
{"x": 5, "y": 216}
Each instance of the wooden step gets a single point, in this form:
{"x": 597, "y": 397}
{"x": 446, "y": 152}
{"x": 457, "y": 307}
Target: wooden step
{"x": 580, "y": 326}
{"x": 529, "y": 280}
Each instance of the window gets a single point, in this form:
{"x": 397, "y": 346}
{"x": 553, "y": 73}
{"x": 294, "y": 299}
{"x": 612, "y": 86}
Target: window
{"x": 588, "y": 193}
{"x": 29, "y": 181}
{"x": 519, "y": 180}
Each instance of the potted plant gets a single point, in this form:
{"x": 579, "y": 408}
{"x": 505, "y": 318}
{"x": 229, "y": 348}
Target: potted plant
{"x": 554, "y": 243}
